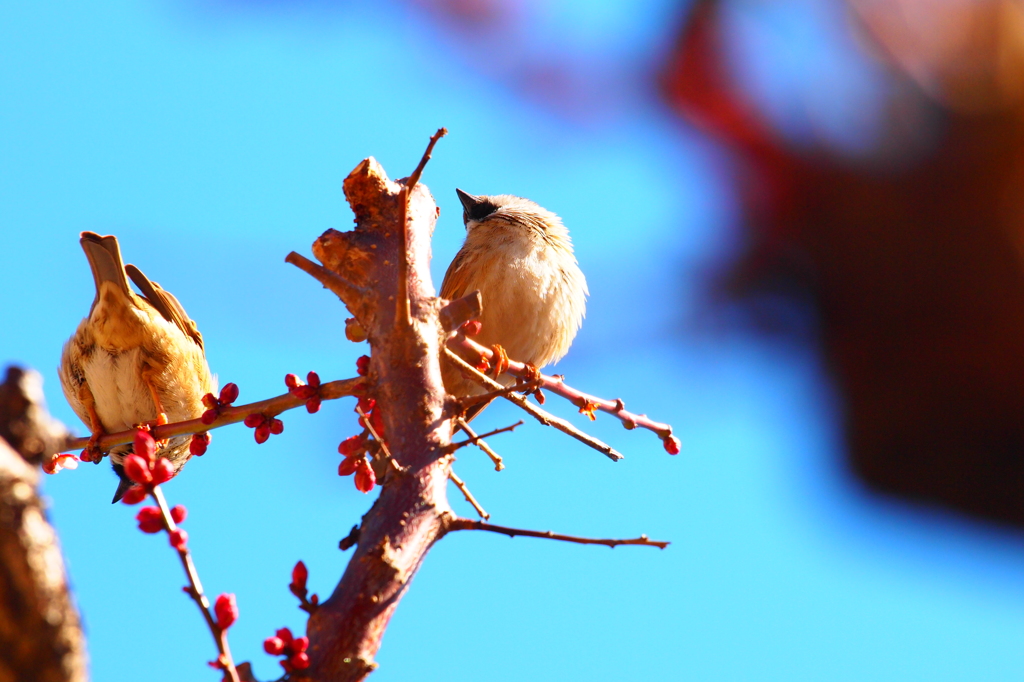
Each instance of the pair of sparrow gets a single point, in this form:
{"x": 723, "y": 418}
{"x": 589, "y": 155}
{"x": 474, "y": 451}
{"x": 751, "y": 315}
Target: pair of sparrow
{"x": 138, "y": 359}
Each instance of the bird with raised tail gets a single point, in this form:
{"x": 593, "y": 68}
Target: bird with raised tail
{"x": 519, "y": 256}
{"x": 134, "y": 359}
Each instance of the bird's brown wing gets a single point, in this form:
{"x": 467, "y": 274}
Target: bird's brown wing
{"x": 456, "y": 279}
{"x": 165, "y": 303}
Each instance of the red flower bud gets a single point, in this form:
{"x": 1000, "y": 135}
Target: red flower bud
{"x": 226, "y": 609}
{"x": 210, "y": 416}
{"x": 672, "y": 445}
{"x": 273, "y": 646}
{"x": 299, "y": 644}
{"x": 200, "y": 441}
{"x": 299, "y": 575}
{"x": 313, "y": 379}
{"x": 137, "y": 469}
{"x": 228, "y": 394}
{"x": 313, "y": 405}
{"x": 347, "y": 466}
{"x": 134, "y": 495}
{"x": 363, "y": 365}
{"x": 365, "y": 479}
{"x": 150, "y": 520}
{"x": 471, "y": 328}
{"x": 365, "y": 404}
{"x": 351, "y": 446}
{"x": 276, "y": 426}
{"x": 85, "y": 456}
{"x": 285, "y": 636}
{"x": 178, "y": 539}
{"x": 253, "y": 420}
{"x": 144, "y": 446}
{"x": 300, "y": 661}
{"x": 163, "y": 471}
{"x": 210, "y": 401}
{"x": 292, "y": 380}
{"x": 262, "y": 433}
{"x": 178, "y": 513}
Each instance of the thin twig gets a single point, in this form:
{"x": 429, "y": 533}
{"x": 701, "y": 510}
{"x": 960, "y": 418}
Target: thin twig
{"x": 521, "y": 387}
{"x": 557, "y": 385}
{"x": 469, "y": 524}
{"x": 380, "y": 441}
{"x": 495, "y": 457}
{"x": 540, "y": 415}
{"x": 402, "y": 305}
{"x": 228, "y": 415}
{"x": 476, "y": 440}
{"x": 195, "y": 589}
{"x": 348, "y": 292}
{"x": 461, "y": 485}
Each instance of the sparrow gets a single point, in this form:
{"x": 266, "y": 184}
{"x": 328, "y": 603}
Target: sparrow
{"x": 134, "y": 360}
{"x": 519, "y": 256}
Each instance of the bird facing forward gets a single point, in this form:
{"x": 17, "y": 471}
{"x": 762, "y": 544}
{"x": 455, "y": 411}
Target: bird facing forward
{"x": 519, "y": 256}
{"x": 134, "y": 360}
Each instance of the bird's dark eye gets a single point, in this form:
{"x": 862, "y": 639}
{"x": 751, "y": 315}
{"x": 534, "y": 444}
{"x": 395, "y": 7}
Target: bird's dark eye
{"x": 480, "y": 210}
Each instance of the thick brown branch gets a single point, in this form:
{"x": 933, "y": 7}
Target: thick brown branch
{"x": 469, "y": 524}
{"x": 556, "y": 385}
{"x": 332, "y": 390}
{"x": 195, "y": 589}
{"x": 540, "y": 415}
{"x": 350, "y": 294}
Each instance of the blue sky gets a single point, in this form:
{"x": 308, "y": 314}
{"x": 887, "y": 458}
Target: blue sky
{"x": 213, "y": 137}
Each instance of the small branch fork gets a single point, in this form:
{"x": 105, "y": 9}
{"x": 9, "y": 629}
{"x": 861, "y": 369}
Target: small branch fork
{"x": 469, "y": 524}
{"x": 495, "y": 457}
{"x": 540, "y": 415}
{"x": 557, "y": 385}
{"x": 195, "y": 589}
{"x": 228, "y": 415}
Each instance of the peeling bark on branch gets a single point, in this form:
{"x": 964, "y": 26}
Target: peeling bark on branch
{"x": 405, "y": 379}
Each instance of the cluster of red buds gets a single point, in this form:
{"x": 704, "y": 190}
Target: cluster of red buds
{"x": 152, "y": 521}
{"x": 59, "y": 461}
{"x": 309, "y": 391}
{"x": 200, "y": 441}
{"x": 264, "y": 426}
{"x": 283, "y": 643}
{"x": 228, "y": 395}
{"x": 355, "y": 462}
{"x": 298, "y": 587}
{"x": 144, "y": 468}
{"x": 363, "y": 365}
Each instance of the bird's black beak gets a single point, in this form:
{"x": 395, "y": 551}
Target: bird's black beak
{"x": 475, "y": 208}
{"x": 123, "y": 484}
{"x": 468, "y": 200}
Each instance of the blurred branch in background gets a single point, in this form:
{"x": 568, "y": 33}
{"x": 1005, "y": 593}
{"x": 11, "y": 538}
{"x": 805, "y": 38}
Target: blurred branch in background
{"x": 40, "y": 633}
{"x": 911, "y": 253}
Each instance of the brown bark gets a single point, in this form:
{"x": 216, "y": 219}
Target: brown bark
{"x": 40, "y": 633}
{"x": 405, "y": 379}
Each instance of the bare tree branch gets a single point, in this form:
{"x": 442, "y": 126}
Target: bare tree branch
{"x": 557, "y": 385}
{"x": 544, "y": 417}
{"x": 469, "y": 524}
{"x": 332, "y": 390}
{"x": 495, "y": 457}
